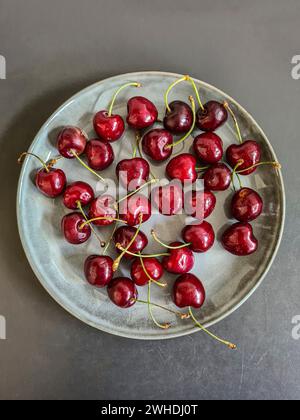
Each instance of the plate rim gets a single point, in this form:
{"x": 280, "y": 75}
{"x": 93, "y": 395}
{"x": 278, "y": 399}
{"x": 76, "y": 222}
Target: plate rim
{"x": 193, "y": 329}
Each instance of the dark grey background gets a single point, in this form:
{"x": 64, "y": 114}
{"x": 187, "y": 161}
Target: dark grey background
{"x": 53, "y": 49}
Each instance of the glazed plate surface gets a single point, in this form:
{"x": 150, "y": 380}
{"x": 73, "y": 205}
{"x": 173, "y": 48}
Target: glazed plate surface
{"x": 229, "y": 280}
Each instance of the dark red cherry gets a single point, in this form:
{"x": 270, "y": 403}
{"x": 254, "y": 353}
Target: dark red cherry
{"x": 133, "y": 173}
{"x": 168, "y": 199}
{"x": 212, "y": 117}
{"x": 217, "y": 177}
{"x": 131, "y": 209}
{"x": 154, "y": 144}
{"x": 78, "y": 191}
{"x": 100, "y": 154}
{"x": 153, "y": 268}
{"x": 108, "y": 127}
{"x": 246, "y": 205}
{"x": 199, "y": 204}
{"x": 72, "y": 230}
{"x": 239, "y": 239}
{"x": 182, "y": 167}
{"x": 122, "y": 292}
{"x": 123, "y": 236}
{"x": 180, "y": 261}
{"x": 98, "y": 270}
{"x": 52, "y": 182}
{"x": 249, "y": 152}
{"x": 71, "y": 139}
{"x": 200, "y": 236}
{"x": 188, "y": 291}
{"x": 208, "y": 147}
{"x": 142, "y": 113}
{"x": 103, "y": 206}
{"x": 180, "y": 119}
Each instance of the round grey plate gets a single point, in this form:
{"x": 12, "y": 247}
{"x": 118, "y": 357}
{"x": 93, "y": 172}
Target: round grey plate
{"x": 229, "y": 280}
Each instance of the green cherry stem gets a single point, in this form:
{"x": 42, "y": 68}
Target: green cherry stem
{"x": 177, "y": 313}
{"x": 148, "y": 275}
{"x": 24, "y": 154}
{"x": 227, "y": 343}
{"x": 135, "y": 84}
{"x": 201, "y": 168}
{"x": 176, "y": 143}
{"x": 165, "y": 245}
{"x": 87, "y": 222}
{"x": 119, "y": 246}
{"x": 110, "y": 219}
{"x": 108, "y": 243}
{"x": 172, "y": 85}
{"x": 191, "y": 80}
{"x": 163, "y": 326}
{"x": 86, "y": 166}
{"x": 237, "y": 127}
{"x": 152, "y": 181}
{"x": 234, "y": 172}
{"x": 276, "y": 165}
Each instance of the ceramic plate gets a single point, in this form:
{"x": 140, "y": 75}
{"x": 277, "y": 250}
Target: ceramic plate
{"x": 229, "y": 280}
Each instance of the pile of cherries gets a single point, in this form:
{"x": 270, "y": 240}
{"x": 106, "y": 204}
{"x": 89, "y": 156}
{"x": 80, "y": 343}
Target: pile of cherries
{"x": 134, "y": 209}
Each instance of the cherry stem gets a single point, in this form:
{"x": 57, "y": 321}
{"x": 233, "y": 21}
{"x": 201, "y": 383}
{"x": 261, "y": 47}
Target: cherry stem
{"x": 185, "y": 78}
{"x": 191, "y": 80}
{"x": 138, "y": 143}
{"x": 24, "y": 154}
{"x": 163, "y": 326}
{"x": 176, "y": 143}
{"x": 148, "y": 275}
{"x": 165, "y": 245}
{"x": 112, "y": 235}
{"x": 110, "y": 219}
{"x": 152, "y": 181}
{"x": 234, "y": 172}
{"x": 203, "y": 168}
{"x": 135, "y": 84}
{"x": 237, "y": 127}
{"x": 164, "y": 254}
{"x": 102, "y": 243}
{"x": 177, "y": 313}
{"x": 227, "y": 343}
{"x": 276, "y": 165}
{"x": 87, "y": 167}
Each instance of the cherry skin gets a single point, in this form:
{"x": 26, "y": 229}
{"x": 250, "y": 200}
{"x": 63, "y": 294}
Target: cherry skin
{"x": 188, "y": 291}
{"x": 98, "y": 270}
{"x": 180, "y": 261}
{"x": 154, "y": 144}
{"x": 200, "y": 236}
{"x": 122, "y": 292}
{"x": 217, "y": 177}
{"x": 246, "y": 205}
{"x": 51, "y": 183}
{"x": 168, "y": 199}
{"x": 142, "y": 113}
{"x": 153, "y": 268}
{"x": 108, "y": 127}
{"x": 103, "y": 206}
{"x": 134, "y": 206}
{"x": 239, "y": 239}
{"x": 200, "y": 204}
{"x": 71, "y": 227}
{"x": 71, "y": 139}
{"x": 249, "y": 152}
{"x": 78, "y": 191}
{"x": 133, "y": 173}
{"x": 180, "y": 119}
{"x": 123, "y": 236}
{"x": 213, "y": 116}
{"x": 100, "y": 154}
{"x": 208, "y": 147}
{"x": 182, "y": 167}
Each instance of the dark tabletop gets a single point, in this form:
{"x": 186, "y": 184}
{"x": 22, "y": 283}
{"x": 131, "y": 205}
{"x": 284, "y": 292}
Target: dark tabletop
{"x": 52, "y": 50}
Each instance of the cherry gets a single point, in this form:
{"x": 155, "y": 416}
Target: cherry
{"x": 71, "y": 141}
{"x": 100, "y": 154}
{"x": 188, "y": 291}
{"x": 201, "y": 237}
{"x": 151, "y": 265}
{"x": 98, "y": 270}
{"x": 111, "y": 127}
{"x": 103, "y": 206}
{"x": 133, "y": 173}
{"x": 182, "y": 167}
{"x": 246, "y": 205}
{"x": 178, "y": 118}
{"x": 72, "y": 228}
{"x": 78, "y": 191}
{"x": 239, "y": 239}
{"x": 208, "y": 147}
{"x": 142, "y": 113}
{"x": 211, "y": 116}
{"x": 168, "y": 199}
{"x": 48, "y": 180}
{"x": 180, "y": 261}
{"x": 199, "y": 204}
{"x": 247, "y": 154}
{"x": 154, "y": 144}
{"x": 134, "y": 206}
{"x": 124, "y": 234}
{"x": 217, "y": 177}
{"x": 122, "y": 292}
